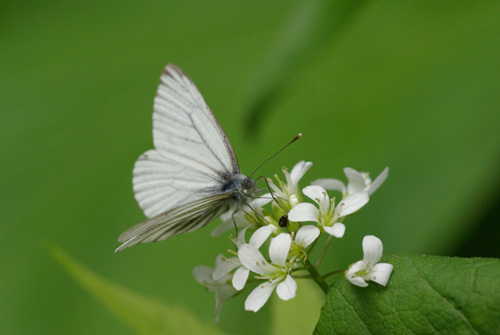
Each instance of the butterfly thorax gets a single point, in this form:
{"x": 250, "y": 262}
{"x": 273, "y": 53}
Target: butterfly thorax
{"x": 244, "y": 188}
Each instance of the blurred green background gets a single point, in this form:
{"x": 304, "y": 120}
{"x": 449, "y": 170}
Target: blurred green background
{"x": 410, "y": 85}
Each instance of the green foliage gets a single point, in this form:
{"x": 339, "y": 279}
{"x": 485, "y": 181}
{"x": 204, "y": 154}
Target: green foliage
{"x": 144, "y": 315}
{"x": 288, "y": 319}
{"x": 306, "y": 31}
{"x": 425, "y": 295}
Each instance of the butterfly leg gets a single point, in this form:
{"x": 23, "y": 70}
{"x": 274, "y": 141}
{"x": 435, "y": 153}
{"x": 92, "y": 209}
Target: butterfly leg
{"x": 234, "y": 222}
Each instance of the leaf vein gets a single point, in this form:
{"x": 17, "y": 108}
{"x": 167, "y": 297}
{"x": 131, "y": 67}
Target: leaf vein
{"x": 466, "y": 321}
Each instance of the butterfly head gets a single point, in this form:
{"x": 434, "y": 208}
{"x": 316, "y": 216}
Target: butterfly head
{"x": 249, "y": 187}
{"x": 242, "y": 186}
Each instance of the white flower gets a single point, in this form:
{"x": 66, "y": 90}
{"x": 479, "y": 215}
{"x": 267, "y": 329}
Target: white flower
{"x": 276, "y": 273}
{"x": 241, "y": 217}
{"x": 328, "y": 215}
{"x": 363, "y": 271}
{"x": 223, "y": 268}
{"x": 240, "y": 276}
{"x": 305, "y": 236}
{"x": 358, "y": 182}
{"x": 223, "y": 291}
{"x": 286, "y": 190}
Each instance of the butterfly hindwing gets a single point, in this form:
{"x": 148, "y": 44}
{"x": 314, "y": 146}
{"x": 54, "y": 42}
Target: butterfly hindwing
{"x": 183, "y": 219}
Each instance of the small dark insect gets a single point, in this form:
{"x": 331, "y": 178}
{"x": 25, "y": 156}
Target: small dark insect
{"x": 283, "y": 221}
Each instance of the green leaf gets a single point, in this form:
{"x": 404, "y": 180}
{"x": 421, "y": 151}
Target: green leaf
{"x": 425, "y": 295}
{"x": 145, "y": 315}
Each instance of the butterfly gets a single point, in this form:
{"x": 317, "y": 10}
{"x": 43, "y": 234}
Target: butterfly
{"x": 192, "y": 175}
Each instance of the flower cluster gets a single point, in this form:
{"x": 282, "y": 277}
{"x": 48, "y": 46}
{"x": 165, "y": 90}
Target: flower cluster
{"x": 283, "y": 223}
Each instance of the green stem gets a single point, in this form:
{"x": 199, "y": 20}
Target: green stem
{"x": 311, "y": 247}
{"x": 318, "y": 262}
{"x": 315, "y": 275}
{"x": 332, "y": 273}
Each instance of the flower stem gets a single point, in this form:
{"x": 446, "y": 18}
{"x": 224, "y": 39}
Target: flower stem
{"x": 315, "y": 275}
{"x": 311, "y": 247}
{"x": 332, "y": 273}
{"x": 318, "y": 262}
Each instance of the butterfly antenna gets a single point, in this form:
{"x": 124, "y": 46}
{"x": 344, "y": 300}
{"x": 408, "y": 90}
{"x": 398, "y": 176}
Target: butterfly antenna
{"x": 280, "y": 150}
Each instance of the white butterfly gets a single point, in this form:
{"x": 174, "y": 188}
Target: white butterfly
{"x": 192, "y": 176}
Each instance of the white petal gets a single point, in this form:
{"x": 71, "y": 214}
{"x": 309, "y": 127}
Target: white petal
{"x": 279, "y": 248}
{"x": 381, "y": 273}
{"x": 372, "y": 249}
{"x": 240, "y": 278}
{"x": 222, "y": 294}
{"x": 275, "y": 188}
{"x": 219, "y": 260}
{"x": 299, "y": 170}
{"x": 222, "y": 228}
{"x": 260, "y": 236}
{"x": 378, "y": 181}
{"x": 356, "y": 181}
{"x": 352, "y": 203}
{"x": 304, "y": 212}
{"x": 352, "y": 277}
{"x": 294, "y": 201}
{"x": 241, "y": 237}
{"x": 358, "y": 281}
{"x": 286, "y": 289}
{"x": 227, "y": 215}
{"x": 259, "y": 296}
{"x": 252, "y": 259}
{"x": 203, "y": 273}
{"x": 225, "y": 267}
{"x": 331, "y": 184}
{"x": 306, "y": 235}
{"x": 359, "y": 265}
{"x": 261, "y": 201}
{"x": 316, "y": 193}
{"x": 228, "y": 224}
{"x": 337, "y": 230}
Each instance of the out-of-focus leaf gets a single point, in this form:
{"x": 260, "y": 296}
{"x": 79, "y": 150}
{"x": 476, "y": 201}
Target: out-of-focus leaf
{"x": 145, "y": 315}
{"x": 306, "y": 30}
{"x": 425, "y": 295}
{"x": 299, "y": 315}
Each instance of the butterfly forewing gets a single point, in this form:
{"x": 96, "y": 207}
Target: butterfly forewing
{"x": 178, "y": 99}
{"x": 193, "y": 157}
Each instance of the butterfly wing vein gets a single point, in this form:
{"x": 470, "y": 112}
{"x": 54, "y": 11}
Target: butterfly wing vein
{"x": 183, "y": 219}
